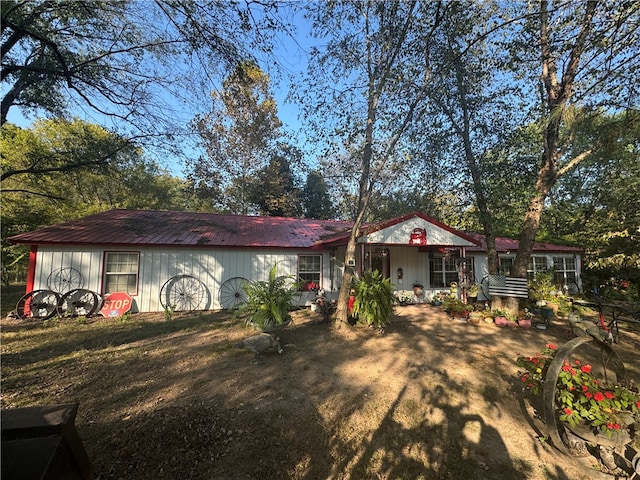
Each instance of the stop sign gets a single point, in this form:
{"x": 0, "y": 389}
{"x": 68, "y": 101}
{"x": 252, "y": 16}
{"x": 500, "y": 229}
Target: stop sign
{"x": 116, "y": 304}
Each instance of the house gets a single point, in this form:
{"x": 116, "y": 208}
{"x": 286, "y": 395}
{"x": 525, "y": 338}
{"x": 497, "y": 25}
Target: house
{"x": 199, "y": 261}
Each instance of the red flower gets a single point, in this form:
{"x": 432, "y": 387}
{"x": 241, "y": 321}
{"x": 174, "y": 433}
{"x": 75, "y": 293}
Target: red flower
{"x": 568, "y": 411}
{"x": 598, "y": 397}
{"x": 524, "y": 378}
{"x": 585, "y": 388}
{"x": 638, "y": 404}
{"x": 586, "y": 368}
{"x": 609, "y": 395}
{"x": 613, "y": 426}
{"x": 551, "y": 346}
{"x": 577, "y": 362}
{"x": 588, "y": 394}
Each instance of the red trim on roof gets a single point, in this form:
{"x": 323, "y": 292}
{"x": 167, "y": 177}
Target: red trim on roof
{"x": 371, "y": 228}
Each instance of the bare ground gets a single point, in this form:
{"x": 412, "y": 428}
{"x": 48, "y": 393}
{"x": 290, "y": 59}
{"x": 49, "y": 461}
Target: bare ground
{"x": 428, "y": 398}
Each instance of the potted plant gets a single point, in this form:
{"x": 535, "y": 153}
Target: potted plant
{"x": 476, "y": 316}
{"x": 586, "y": 405}
{"x": 455, "y": 308}
{"x": 404, "y": 297}
{"x": 525, "y": 318}
{"x": 374, "y": 299}
{"x": 503, "y": 318}
{"x": 418, "y": 289}
{"x": 270, "y": 302}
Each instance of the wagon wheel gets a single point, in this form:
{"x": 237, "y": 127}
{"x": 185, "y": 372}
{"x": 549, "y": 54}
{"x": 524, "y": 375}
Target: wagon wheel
{"x": 64, "y": 280}
{"x": 484, "y": 287}
{"x": 183, "y": 293}
{"x": 78, "y": 302}
{"x": 37, "y": 305}
{"x": 611, "y": 362}
{"x": 232, "y": 295}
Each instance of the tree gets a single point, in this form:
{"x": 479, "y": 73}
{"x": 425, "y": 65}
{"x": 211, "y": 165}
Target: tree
{"x": 274, "y": 190}
{"x": 137, "y": 66}
{"x": 588, "y": 58}
{"x": 375, "y": 87}
{"x": 41, "y": 191}
{"x": 315, "y": 197}
{"x": 239, "y": 136}
{"x": 594, "y": 205}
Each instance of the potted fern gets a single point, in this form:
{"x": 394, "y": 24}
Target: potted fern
{"x": 270, "y": 302}
{"x": 373, "y": 299}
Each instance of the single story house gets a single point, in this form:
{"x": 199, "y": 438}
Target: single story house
{"x": 160, "y": 258}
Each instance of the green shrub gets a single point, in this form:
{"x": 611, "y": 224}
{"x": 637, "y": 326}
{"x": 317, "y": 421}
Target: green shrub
{"x": 374, "y": 299}
{"x": 270, "y": 302}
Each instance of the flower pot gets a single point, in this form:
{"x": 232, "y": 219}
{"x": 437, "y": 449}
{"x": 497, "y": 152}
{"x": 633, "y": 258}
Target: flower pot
{"x": 475, "y": 318}
{"x": 524, "y": 323}
{"x": 501, "y": 321}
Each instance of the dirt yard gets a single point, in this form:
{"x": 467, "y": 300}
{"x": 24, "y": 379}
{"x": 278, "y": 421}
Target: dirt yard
{"x": 428, "y": 398}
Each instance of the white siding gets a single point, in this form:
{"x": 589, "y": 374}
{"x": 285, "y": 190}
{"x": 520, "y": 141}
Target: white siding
{"x": 211, "y": 266}
{"x": 401, "y": 233}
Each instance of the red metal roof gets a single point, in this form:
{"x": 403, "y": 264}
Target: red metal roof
{"x": 186, "y": 229}
{"x": 504, "y": 245}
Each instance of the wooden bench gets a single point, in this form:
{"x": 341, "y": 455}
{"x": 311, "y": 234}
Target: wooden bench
{"x": 503, "y": 286}
{"x": 41, "y": 443}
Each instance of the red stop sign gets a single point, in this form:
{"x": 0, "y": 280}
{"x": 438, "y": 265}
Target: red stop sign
{"x": 116, "y": 304}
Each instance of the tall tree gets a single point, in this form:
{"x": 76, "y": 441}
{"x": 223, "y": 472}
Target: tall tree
{"x": 367, "y": 79}
{"x": 588, "y": 57}
{"x": 274, "y": 190}
{"x": 239, "y": 136}
{"x": 315, "y": 197}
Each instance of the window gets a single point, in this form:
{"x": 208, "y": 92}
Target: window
{"x": 121, "y": 272}
{"x": 443, "y": 271}
{"x": 309, "y": 270}
{"x": 537, "y": 264}
{"x": 564, "y": 269}
{"x": 506, "y": 264}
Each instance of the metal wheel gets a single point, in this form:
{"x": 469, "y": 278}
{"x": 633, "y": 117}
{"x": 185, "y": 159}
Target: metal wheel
{"x": 611, "y": 363}
{"x": 484, "y": 287}
{"x": 37, "y": 305}
{"x": 232, "y": 295}
{"x": 183, "y": 293}
{"x": 64, "y": 280}
{"x": 78, "y": 302}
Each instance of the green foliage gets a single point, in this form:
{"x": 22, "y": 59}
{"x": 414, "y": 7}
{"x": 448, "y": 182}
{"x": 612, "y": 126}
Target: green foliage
{"x": 270, "y": 302}
{"x": 542, "y": 287}
{"x": 239, "y": 136}
{"x": 374, "y": 299}
{"x": 274, "y": 189}
{"x": 315, "y": 197}
{"x": 581, "y": 398}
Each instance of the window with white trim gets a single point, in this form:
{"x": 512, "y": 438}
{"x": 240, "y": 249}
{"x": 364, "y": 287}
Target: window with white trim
{"x": 309, "y": 271}
{"x": 443, "y": 271}
{"x": 564, "y": 270}
{"x": 506, "y": 264}
{"x": 537, "y": 264}
{"x": 121, "y": 272}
